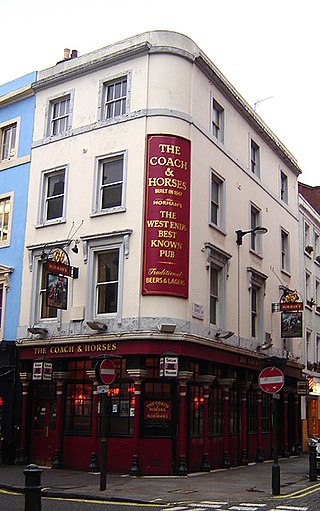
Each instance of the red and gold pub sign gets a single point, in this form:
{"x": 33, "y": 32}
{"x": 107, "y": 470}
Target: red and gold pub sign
{"x": 167, "y": 216}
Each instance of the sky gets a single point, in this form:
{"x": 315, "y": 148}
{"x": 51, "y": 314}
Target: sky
{"x": 267, "y": 49}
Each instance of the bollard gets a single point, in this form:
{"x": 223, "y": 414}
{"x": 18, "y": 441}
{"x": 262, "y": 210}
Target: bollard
{"x": 32, "y": 488}
{"x": 313, "y": 462}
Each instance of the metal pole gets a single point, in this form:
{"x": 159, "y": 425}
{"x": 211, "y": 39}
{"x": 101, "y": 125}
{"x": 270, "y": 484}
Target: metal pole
{"x": 313, "y": 462}
{"x": 32, "y": 488}
{"x": 103, "y": 447}
{"x": 275, "y": 466}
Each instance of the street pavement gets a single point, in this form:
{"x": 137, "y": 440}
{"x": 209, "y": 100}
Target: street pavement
{"x": 251, "y": 482}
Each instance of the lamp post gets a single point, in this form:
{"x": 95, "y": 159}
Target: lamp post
{"x": 240, "y": 234}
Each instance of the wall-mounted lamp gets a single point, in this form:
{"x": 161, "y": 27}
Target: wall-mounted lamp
{"x": 97, "y": 326}
{"x": 37, "y": 330}
{"x": 224, "y": 334}
{"x": 167, "y": 328}
{"x": 44, "y": 255}
{"x": 256, "y": 230}
{"x": 265, "y": 346}
{"x": 75, "y": 249}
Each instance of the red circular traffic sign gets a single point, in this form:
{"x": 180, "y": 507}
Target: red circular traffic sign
{"x": 271, "y": 380}
{"x": 107, "y": 371}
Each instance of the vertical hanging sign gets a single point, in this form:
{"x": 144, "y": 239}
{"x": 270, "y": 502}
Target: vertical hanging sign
{"x": 167, "y": 216}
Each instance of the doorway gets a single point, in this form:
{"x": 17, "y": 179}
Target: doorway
{"x": 43, "y": 424}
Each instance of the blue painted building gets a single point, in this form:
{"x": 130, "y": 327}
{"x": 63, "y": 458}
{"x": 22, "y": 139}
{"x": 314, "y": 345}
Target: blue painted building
{"x": 16, "y": 129}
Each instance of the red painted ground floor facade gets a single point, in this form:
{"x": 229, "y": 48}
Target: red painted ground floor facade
{"x": 212, "y": 414}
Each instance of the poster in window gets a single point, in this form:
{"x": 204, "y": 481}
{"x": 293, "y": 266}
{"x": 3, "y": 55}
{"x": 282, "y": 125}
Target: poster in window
{"x": 57, "y": 291}
{"x": 124, "y": 408}
{"x": 291, "y": 324}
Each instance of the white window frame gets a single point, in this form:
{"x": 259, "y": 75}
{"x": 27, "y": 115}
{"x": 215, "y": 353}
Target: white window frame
{"x": 51, "y": 102}
{"x": 283, "y": 186}
{"x": 307, "y": 236}
{"x": 5, "y": 272}
{"x": 217, "y": 120}
{"x": 217, "y": 202}
{"x": 36, "y": 262}
{"x": 92, "y": 246}
{"x": 317, "y": 295}
{"x": 45, "y": 176}
{"x": 13, "y": 152}
{"x": 9, "y": 198}
{"x": 308, "y": 286}
{"x": 124, "y": 99}
{"x": 218, "y": 260}
{"x": 98, "y": 188}
{"x": 257, "y": 282}
{"x": 255, "y": 221}
{"x": 255, "y": 158}
{"x": 284, "y": 251}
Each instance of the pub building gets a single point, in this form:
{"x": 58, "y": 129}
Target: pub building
{"x": 136, "y": 253}
{"x": 211, "y": 413}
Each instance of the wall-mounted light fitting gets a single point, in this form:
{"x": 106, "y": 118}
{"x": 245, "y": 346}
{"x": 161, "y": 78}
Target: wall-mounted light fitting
{"x": 97, "y": 326}
{"x": 37, "y": 330}
{"x": 224, "y": 334}
{"x": 167, "y": 328}
{"x": 257, "y": 230}
{"x": 75, "y": 249}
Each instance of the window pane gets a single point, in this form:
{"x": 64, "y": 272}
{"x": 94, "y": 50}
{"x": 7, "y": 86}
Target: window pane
{"x": 55, "y": 195}
{"x": 111, "y": 187}
{"x": 107, "y": 282}
{"x": 4, "y": 218}
{"x": 8, "y": 141}
{"x": 60, "y": 110}
{"x": 45, "y": 311}
{"x": 116, "y": 98}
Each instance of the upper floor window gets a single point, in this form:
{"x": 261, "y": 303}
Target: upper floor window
{"x": 257, "y": 292}
{"x": 317, "y": 293}
{"x": 107, "y": 282}
{"x": 255, "y": 238}
{"x": 105, "y": 256}
{"x": 5, "y": 272}
{"x": 217, "y": 120}
{"x": 8, "y": 141}
{"x": 317, "y": 246}
{"x": 255, "y": 158}
{"x": 217, "y": 201}
{"x": 53, "y": 195}
{"x": 43, "y": 310}
{"x": 115, "y": 95}
{"x": 5, "y": 219}
{"x": 110, "y": 186}
{"x": 285, "y": 260}
{"x": 217, "y": 264}
{"x": 59, "y": 116}
{"x": 214, "y": 294}
{"x": 283, "y": 187}
{"x": 308, "y": 286}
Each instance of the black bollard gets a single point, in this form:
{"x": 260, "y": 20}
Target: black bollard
{"x": 312, "y": 462}
{"x": 32, "y": 488}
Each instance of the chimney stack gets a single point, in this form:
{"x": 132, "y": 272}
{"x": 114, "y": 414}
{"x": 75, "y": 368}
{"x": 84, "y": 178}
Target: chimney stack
{"x": 74, "y": 54}
{"x": 66, "y": 54}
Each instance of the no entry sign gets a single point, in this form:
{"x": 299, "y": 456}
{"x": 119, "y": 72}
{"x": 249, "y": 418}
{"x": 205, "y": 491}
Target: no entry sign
{"x": 106, "y": 371}
{"x": 271, "y": 380}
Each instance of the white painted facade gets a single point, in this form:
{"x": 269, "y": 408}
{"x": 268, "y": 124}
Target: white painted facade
{"x": 171, "y": 87}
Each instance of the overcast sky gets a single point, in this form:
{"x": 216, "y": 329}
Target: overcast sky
{"x": 268, "y": 49}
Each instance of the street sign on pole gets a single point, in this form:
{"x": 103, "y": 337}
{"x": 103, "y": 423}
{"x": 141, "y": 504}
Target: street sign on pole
{"x": 106, "y": 371}
{"x": 271, "y": 380}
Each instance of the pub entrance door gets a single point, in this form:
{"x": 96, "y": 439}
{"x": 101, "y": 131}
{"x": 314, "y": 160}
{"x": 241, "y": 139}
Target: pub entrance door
{"x": 43, "y": 424}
